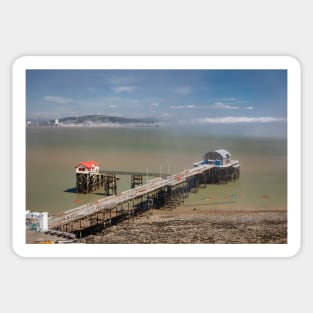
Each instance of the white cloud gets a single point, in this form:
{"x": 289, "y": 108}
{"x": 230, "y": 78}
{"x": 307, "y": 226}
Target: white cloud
{"x": 113, "y": 106}
{"x": 215, "y": 106}
{"x": 58, "y": 100}
{"x": 184, "y": 90}
{"x": 239, "y": 119}
{"x": 190, "y": 106}
{"x": 223, "y": 106}
{"x": 120, "y": 89}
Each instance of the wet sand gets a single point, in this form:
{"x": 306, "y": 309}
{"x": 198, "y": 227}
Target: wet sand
{"x": 199, "y": 225}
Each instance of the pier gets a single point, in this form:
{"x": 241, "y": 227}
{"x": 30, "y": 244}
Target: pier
{"x": 164, "y": 191}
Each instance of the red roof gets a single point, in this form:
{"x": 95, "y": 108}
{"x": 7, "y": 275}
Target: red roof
{"x": 88, "y": 164}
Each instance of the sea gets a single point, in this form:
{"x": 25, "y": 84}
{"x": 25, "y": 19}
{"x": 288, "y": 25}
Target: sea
{"x": 53, "y": 152}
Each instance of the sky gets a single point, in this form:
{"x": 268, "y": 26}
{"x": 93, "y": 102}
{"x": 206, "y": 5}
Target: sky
{"x": 176, "y": 97}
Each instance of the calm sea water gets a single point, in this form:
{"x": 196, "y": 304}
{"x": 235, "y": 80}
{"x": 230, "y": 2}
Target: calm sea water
{"x": 52, "y": 154}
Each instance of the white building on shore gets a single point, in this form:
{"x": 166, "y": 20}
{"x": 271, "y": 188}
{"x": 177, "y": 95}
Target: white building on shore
{"x": 37, "y": 221}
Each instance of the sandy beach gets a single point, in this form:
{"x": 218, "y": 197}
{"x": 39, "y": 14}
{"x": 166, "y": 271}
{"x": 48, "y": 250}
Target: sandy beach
{"x": 199, "y": 225}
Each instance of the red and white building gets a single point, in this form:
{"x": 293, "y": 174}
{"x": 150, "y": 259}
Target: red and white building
{"x": 88, "y": 167}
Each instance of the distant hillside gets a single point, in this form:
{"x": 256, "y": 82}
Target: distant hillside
{"x": 104, "y": 119}
{"x": 95, "y": 120}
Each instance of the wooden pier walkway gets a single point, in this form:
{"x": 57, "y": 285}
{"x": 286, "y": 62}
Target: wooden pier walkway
{"x": 134, "y": 173}
{"x": 165, "y": 191}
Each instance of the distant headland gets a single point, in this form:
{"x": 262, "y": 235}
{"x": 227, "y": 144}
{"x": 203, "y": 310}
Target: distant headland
{"x": 95, "y": 120}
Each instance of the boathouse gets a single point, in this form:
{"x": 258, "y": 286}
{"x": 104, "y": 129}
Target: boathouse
{"x": 224, "y": 169}
{"x": 89, "y": 167}
{"x": 217, "y": 157}
{"x": 88, "y": 178}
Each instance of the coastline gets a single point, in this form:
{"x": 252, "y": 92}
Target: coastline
{"x": 199, "y": 225}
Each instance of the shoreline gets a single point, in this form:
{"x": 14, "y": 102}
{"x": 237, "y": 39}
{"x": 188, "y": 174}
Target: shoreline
{"x": 198, "y": 225}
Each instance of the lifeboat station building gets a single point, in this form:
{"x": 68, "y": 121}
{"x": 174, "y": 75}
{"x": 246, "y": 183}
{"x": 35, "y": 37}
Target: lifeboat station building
{"x": 217, "y": 157}
{"x": 87, "y": 176}
{"x": 224, "y": 169}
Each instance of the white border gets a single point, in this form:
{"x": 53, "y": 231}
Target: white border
{"x": 156, "y": 62}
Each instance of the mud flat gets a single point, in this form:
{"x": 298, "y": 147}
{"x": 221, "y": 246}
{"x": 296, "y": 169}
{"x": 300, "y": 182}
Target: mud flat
{"x": 199, "y": 225}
